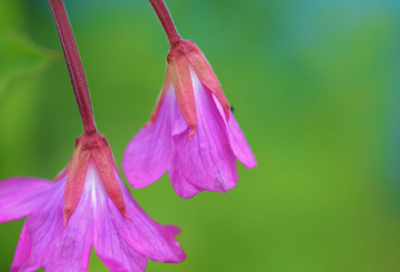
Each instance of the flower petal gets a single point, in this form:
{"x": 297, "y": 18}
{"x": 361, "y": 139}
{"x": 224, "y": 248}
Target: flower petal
{"x": 20, "y": 197}
{"x": 112, "y": 249}
{"x": 46, "y": 243}
{"x": 238, "y": 141}
{"x": 144, "y": 235}
{"x": 70, "y": 247}
{"x": 23, "y": 254}
{"x": 239, "y": 144}
{"x": 148, "y": 154}
{"x": 182, "y": 187}
{"x": 38, "y": 231}
{"x": 206, "y": 160}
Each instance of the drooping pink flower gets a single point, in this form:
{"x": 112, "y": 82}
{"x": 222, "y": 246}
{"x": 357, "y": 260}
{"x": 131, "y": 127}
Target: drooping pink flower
{"x": 87, "y": 205}
{"x": 192, "y": 131}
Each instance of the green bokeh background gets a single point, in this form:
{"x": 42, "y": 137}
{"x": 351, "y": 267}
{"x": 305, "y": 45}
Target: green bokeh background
{"x": 315, "y": 87}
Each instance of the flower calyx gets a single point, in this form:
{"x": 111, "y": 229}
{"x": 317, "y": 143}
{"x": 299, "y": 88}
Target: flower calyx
{"x": 183, "y": 56}
{"x": 95, "y": 148}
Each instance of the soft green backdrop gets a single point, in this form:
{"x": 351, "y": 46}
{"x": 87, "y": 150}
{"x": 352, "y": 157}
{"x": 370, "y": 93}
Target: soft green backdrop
{"x": 315, "y": 87}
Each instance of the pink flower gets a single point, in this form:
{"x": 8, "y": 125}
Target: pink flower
{"x": 192, "y": 131}
{"x": 86, "y": 205}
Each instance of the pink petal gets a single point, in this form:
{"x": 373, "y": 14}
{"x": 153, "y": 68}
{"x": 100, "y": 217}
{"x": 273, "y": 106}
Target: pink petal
{"x": 238, "y": 141}
{"x": 206, "y": 160}
{"x": 112, "y": 249}
{"x": 144, "y": 235}
{"x": 182, "y": 187}
{"x": 20, "y": 197}
{"x": 148, "y": 154}
{"x": 46, "y": 243}
{"x": 70, "y": 247}
{"x": 239, "y": 144}
{"x": 23, "y": 254}
{"x": 38, "y": 232}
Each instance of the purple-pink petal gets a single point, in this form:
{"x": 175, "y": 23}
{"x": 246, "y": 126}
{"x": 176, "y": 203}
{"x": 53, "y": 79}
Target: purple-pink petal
{"x": 20, "y": 197}
{"x": 239, "y": 144}
{"x": 38, "y": 233}
{"x": 23, "y": 253}
{"x": 71, "y": 245}
{"x": 52, "y": 246}
{"x": 148, "y": 154}
{"x": 144, "y": 235}
{"x": 206, "y": 160}
{"x": 238, "y": 141}
{"x": 182, "y": 187}
{"x": 112, "y": 249}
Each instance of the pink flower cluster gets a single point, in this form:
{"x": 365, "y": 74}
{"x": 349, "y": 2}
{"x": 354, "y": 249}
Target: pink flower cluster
{"x": 192, "y": 133}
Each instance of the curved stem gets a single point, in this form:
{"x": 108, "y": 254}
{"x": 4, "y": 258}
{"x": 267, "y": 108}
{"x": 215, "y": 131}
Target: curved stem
{"x": 74, "y": 65}
{"x": 166, "y": 21}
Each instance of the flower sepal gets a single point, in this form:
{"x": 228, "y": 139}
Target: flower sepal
{"x": 182, "y": 57}
{"x": 96, "y": 148}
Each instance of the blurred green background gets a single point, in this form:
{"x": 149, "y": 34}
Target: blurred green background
{"x": 315, "y": 86}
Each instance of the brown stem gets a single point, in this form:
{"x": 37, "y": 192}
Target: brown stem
{"x": 74, "y": 65}
{"x": 166, "y": 21}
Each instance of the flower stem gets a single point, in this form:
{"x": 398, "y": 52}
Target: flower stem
{"x": 166, "y": 21}
{"x": 74, "y": 65}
